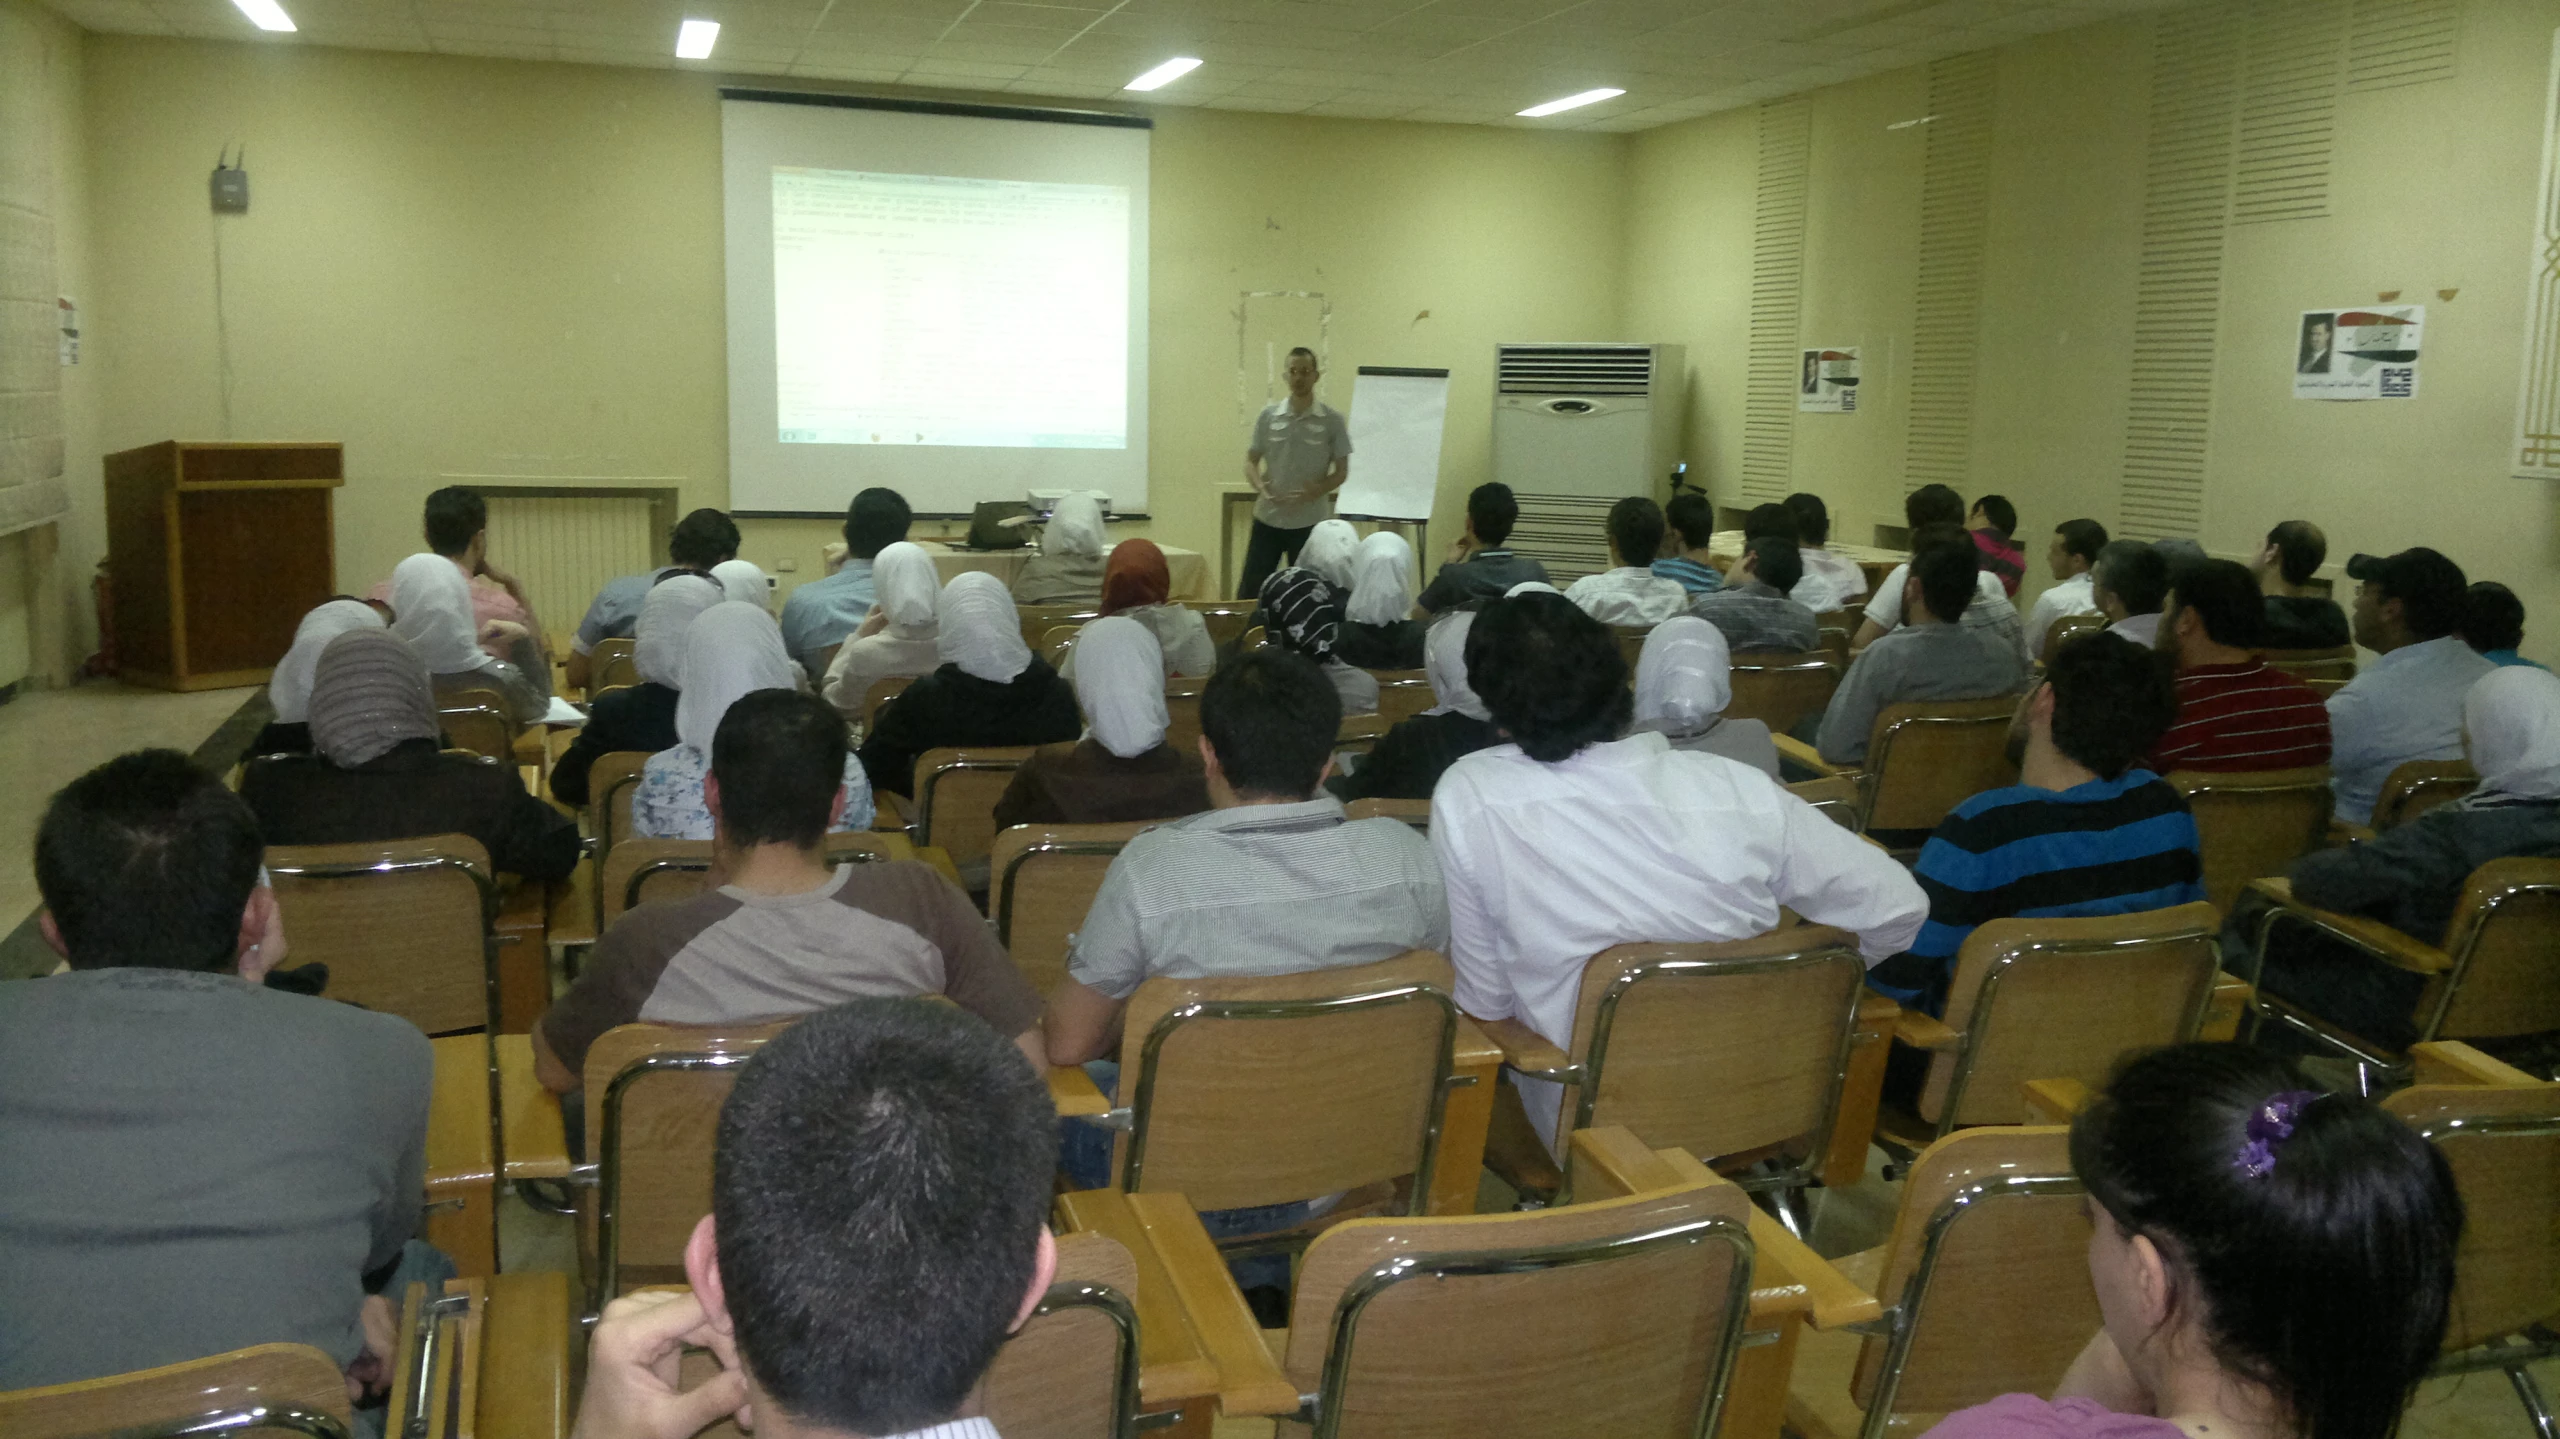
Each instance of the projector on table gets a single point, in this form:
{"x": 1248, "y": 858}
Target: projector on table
{"x": 1044, "y": 501}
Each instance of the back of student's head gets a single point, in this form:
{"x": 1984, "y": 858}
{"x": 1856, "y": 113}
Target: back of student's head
{"x": 2492, "y": 617}
{"x": 147, "y": 862}
{"x": 2135, "y": 574}
{"x": 1776, "y": 560}
{"x": 1692, "y": 517}
{"x": 1550, "y": 675}
{"x": 703, "y": 539}
{"x": 1946, "y": 564}
{"x": 1271, "y": 717}
{"x": 2083, "y": 538}
{"x": 2310, "y": 1235}
{"x": 1635, "y": 527}
{"x": 1999, "y": 514}
{"x": 2224, "y": 596}
{"x": 779, "y": 757}
{"x": 1493, "y": 511}
{"x": 878, "y": 1189}
{"x": 454, "y": 515}
{"x": 877, "y": 519}
{"x": 2301, "y": 547}
{"x": 1933, "y": 505}
{"x": 1770, "y": 519}
{"x": 1813, "y": 518}
{"x": 2112, "y": 700}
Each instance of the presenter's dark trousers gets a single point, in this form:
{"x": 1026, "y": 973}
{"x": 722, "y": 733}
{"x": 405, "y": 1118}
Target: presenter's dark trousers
{"x": 1263, "y": 554}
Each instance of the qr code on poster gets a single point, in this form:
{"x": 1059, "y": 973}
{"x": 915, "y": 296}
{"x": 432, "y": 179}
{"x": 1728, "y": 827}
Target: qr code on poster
{"x": 2399, "y": 381}
{"x": 1848, "y": 400}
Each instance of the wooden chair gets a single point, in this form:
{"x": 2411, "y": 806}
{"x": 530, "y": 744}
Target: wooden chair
{"x": 611, "y": 782}
{"x": 1254, "y": 638}
{"x": 483, "y": 729}
{"x": 1415, "y": 812}
{"x": 1360, "y": 733}
{"x": 955, "y": 797}
{"x": 2335, "y": 666}
{"x": 1055, "y": 643}
{"x": 610, "y": 665}
{"x": 269, "y": 1389}
{"x": 1836, "y": 797}
{"x": 2492, "y": 979}
{"x": 643, "y": 871}
{"x": 2412, "y": 789}
{"x": 1631, "y": 644}
{"x": 1038, "y": 620}
{"x": 404, "y": 926}
{"x": 1923, "y": 760}
{"x": 1227, "y": 619}
{"x": 2253, "y": 823}
{"x": 1402, "y": 694}
{"x": 1832, "y": 632}
{"x": 486, "y": 1356}
{"x": 878, "y": 696}
{"x": 1182, "y": 712}
{"x": 2068, "y": 628}
{"x": 1780, "y": 689}
{"x": 1072, "y": 1371}
{"x": 1041, "y": 880}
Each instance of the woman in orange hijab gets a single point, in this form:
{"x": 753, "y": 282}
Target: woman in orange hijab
{"x": 1136, "y": 582}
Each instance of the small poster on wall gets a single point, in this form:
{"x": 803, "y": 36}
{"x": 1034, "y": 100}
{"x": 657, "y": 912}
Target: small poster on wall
{"x": 2358, "y": 353}
{"x": 1830, "y": 383}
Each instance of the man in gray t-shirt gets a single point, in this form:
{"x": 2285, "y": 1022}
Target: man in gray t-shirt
{"x": 1298, "y": 455}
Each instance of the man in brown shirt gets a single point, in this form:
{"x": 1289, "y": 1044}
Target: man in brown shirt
{"x": 784, "y": 934}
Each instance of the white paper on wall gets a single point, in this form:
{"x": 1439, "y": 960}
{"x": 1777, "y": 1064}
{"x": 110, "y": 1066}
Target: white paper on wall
{"x": 1396, "y": 420}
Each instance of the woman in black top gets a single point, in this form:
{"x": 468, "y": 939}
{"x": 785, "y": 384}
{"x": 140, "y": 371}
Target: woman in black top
{"x": 643, "y": 716}
{"x": 1378, "y": 632}
{"x": 1408, "y": 759}
{"x": 991, "y": 690}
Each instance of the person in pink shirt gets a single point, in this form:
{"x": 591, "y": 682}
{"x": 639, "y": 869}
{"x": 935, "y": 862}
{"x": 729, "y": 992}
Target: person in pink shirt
{"x": 457, "y": 527}
{"x": 2271, "y": 1261}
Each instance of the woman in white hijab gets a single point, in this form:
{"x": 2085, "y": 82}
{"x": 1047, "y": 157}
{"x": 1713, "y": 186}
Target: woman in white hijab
{"x": 431, "y": 602}
{"x": 741, "y": 580}
{"x": 1378, "y": 631}
{"x": 289, "y": 688}
{"x": 734, "y": 649}
{"x": 1684, "y": 681}
{"x": 639, "y": 717}
{"x": 1068, "y": 569}
{"x": 1407, "y": 760}
{"x": 1122, "y": 769}
{"x": 990, "y": 689}
{"x": 1329, "y": 551}
{"x": 896, "y": 640}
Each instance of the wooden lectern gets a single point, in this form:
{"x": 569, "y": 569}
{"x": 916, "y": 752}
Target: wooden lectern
{"x": 216, "y": 551}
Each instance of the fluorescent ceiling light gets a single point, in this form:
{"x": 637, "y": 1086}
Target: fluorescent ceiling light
{"x": 1164, "y": 74}
{"x": 265, "y": 14}
{"x": 1572, "y": 102}
{"x": 694, "y": 40}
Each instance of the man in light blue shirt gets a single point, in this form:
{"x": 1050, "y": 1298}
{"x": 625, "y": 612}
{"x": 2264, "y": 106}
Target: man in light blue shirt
{"x": 820, "y": 614}
{"x": 2406, "y": 705}
{"x": 700, "y": 540}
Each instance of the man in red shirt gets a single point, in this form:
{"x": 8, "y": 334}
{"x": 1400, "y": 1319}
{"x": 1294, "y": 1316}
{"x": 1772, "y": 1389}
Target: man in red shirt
{"x": 2235, "y": 712}
{"x": 1992, "y": 522}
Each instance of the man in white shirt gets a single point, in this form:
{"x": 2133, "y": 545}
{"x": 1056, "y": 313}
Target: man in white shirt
{"x": 1830, "y": 581}
{"x": 1989, "y": 609}
{"x": 1568, "y": 840}
{"x": 1298, "y": 455}
{"x": 2130, "y": 584}
{"x": 2071, "y": 556}
{"x": 1629, "y": 592}
{"x": 2406, "y": 705}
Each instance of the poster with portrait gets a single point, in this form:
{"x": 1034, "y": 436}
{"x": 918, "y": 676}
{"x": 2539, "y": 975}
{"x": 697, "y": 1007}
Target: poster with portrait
{"x": 2358, "y": 353}
{"x": 1828, "y": 383}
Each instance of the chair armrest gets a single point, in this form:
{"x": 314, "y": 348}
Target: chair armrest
{"x": 1530, "y": 1052}
{"x": 1925, "y": 1031}
{"x": 1609, "y": 1162}
{"x": 1173, "y": 1367}
{"x": 1781, "y": 1258}
{"x": 2342, "y": 834}
{"x": 1249, "y": 1382}
{"x": 889, "y": 813}
{"x": 2370, "y": 935}
{"x": 1074, "y": 1092}
{"x": 458, "y": 1146}
{"x": 532, "y": 1135}
{"x": 526, "y": 1335}
{"x": 2446, "y": 1061}
{"x": 940, "y": 859}
{"x": 2054, "y": 1101}
{"x": 2225, "y": 1008}
{"x": 1791, "y": 748}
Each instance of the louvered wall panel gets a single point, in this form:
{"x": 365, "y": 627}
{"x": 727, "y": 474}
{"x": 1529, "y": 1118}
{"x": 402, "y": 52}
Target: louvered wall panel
{"x": 1777, "y": 299}
{"x": 2402, "y": 42}
{"x": 2195, "y": 89}
{"x": 2289, "y": 110}
{"x": 2537, "y": 443}
{"x": 563, "y": 548}
{"x": 1955, "y": 199}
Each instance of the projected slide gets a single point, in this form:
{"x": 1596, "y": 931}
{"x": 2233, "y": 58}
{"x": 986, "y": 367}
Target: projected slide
{"x": 938, "y": 310}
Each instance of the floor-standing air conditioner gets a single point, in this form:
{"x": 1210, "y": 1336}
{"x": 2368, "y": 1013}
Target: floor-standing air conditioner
{"x": 1575, "y": 429}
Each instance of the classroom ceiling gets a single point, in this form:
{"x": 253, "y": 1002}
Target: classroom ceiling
{"x": 1452, "y": 61}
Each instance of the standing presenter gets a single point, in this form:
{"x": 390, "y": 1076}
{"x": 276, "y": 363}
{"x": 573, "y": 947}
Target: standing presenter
{"x": 1299, "y": 455}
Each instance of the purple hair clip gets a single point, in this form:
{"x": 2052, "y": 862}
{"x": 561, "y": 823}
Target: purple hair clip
{"x": 2271, "y": 1124}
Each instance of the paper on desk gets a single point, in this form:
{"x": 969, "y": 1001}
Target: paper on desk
{"x": 564, "y": 713}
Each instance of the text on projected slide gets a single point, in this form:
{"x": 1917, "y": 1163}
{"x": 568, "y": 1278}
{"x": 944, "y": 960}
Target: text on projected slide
{"x": 938, "y": 310}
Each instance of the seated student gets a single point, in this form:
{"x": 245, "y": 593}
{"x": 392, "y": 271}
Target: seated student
{"x": 639, "y": 718}
{"x": 1629, "y": 592}
{"x": 1935, "y": 657}
{"x": 194, "y": 1163}
{"x": 2493, "y": 623}
{"x": 431, "y": 605}
{"x": 1068, "y": 569}
{"x": 1684, "y": 680}
{"x": 701, "y": 542}
{"x": 990, "y": 689}
{"x": 2407, "y": 705}
{"x": 289, "y": 687}
{"x": 456, "y": 527}
{"x": 2411, "y": 876}
{"x": 1409, "y": 758}
{"x": 1331, "y": 547}
{"x": 1378, "y": 631}
{"x": 743, "y": 581}
{"x": 1831, "y": 581}
{"x": 2085, "y": 831}
{"x": 379, "y": 775}
{"x": 1992, "y": 521}
{"x": 1693, "y": 525}
{"x": 2269, "y": 1259}
{"x": 1478, "y": 567}
{"x": 897, "y": 638}
{"x": 880, "y": 1193}
{"x": 1753, "y": 609}
{"x": 1569, "y": 839}
{"x": 1137, "y": 582}
{"x": 1122, "y": 769}
{"x": 2297, "y": 618}
{"x": 1933, "y": 512}
{"x": 732, "y": 651}
{"x": 819, "y": 614}
{"x": 2235, "y": 711}
{"x": 1303, "y": 614}
{"x": 783, "y": 933}
{"x": 2129, "y": 585}
{"x": 2070, "y": 558}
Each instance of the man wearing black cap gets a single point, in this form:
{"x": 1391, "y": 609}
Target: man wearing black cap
{"x": 2406, "y": 705}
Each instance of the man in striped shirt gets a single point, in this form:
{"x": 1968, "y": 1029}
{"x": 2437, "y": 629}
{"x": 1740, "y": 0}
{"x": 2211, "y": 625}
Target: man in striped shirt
{"x": 2235, "y": 711}
{"x": 2088, "y": 831}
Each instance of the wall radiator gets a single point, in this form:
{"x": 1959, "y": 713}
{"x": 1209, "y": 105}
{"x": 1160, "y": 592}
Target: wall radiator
{"x": 564, "y": 546}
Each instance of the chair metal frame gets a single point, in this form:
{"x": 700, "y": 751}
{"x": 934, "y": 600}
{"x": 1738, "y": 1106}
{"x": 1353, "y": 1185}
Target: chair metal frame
{"x": 2496, "y": 1354}
{"x": 1005, "y": 882}
{"x": 1870, "y": 775}
{"x": 424, "y": 1346}
{"x": 606, "y": 1172}
{"x": 932, "y": 780}
{"x": 1071, "y": 1294}
{"x": 1323, "y": 1410}
{"x": 445, "y": 712}
{"x": 236, "y": 1421}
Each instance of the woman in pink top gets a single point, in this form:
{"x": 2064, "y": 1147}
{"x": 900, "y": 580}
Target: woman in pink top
{"x": 2271, "y": 1261}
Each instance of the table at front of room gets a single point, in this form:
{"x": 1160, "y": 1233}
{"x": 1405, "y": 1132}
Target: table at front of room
{"x": 1190, "y": 570}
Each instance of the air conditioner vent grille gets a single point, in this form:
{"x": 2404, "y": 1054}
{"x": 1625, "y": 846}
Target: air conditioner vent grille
{"x": 1574, "y": 369}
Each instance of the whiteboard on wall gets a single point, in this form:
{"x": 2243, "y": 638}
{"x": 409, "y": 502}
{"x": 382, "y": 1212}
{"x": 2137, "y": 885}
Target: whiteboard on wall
{"x": 1396, "y": 420}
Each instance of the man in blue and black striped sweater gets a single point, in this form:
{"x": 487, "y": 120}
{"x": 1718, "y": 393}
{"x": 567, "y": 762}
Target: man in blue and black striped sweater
{"x": 2087, "y": 831}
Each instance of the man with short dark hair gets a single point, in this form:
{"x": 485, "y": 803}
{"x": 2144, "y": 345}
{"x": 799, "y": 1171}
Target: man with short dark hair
{"x": 2086, "y": 830}
{"x": 880, "y": 1190}
{"x": 2493, "y": 624}
{"x": 1934, "y": 657}
{"x": 2129, "y": 585}
{"x": 191, "y": 1162}
{"x": 1831, "y": 581}
{"x": 2297, "y": 618}
{"x": 1934, "y": 513}
{"x": 1991, "y": 523}
{"x": 779, "y": 932}
{"x": 820, "y": 614}
{"x": 2407, "y": 705}
{"x": 1298, "y": 454}
{"x": 2235, "y": 711}
{"x": 1754, "y": 611}
{"x": 1693, "y": 525}
{"x": 1629, "y": 592}
{"x": 1479, "y": 568}
{"x": 1570, "y": 839}
{"x": 2071, "y": 557}
{"x": 700, "y": 540}
{"x": 456, "y": 526}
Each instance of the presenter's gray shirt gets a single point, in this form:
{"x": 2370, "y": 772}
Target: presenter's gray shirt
{"x": 191, "y": 1164}
{"x": 1295, "y": 451}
